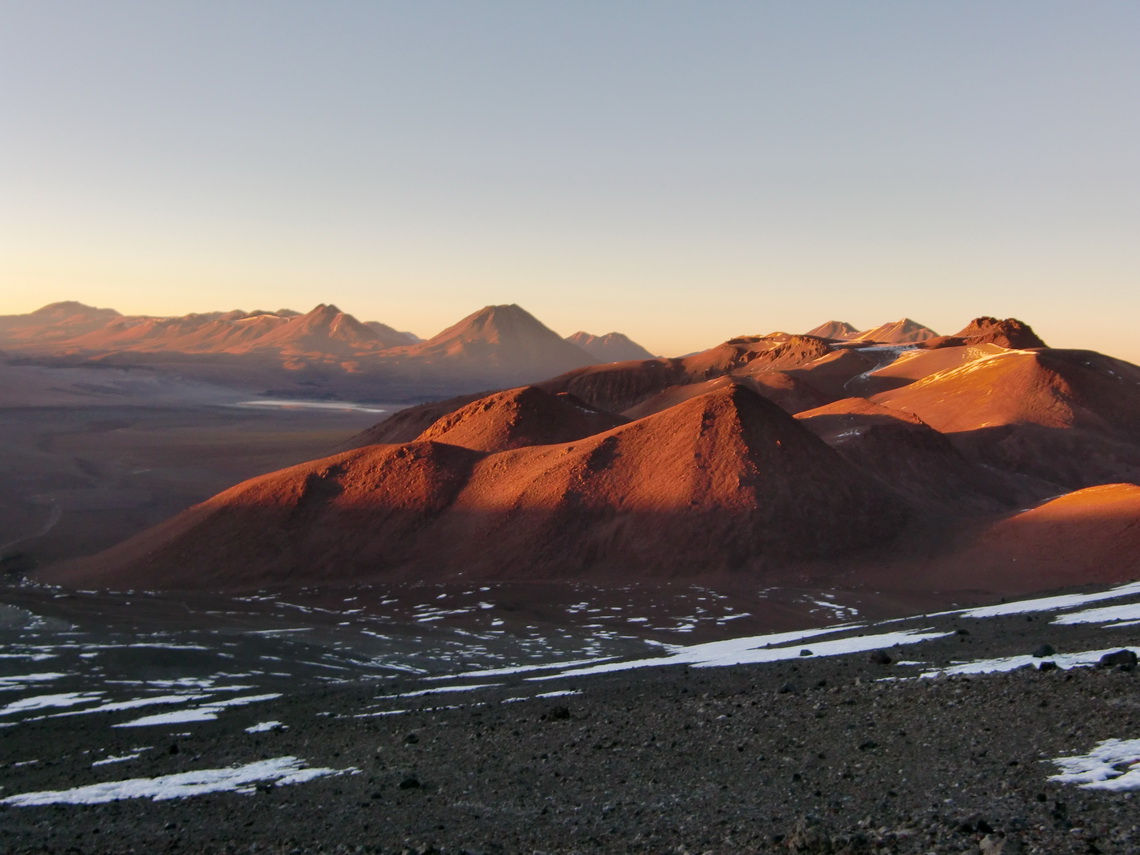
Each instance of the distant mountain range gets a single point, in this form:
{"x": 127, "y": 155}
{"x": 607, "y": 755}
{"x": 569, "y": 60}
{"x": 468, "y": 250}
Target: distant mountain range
{"x": 903, "y": 331}
{"x": 323, "y": 351}
{"x": 611, "y": 347}
{"x": 979, "y": 462}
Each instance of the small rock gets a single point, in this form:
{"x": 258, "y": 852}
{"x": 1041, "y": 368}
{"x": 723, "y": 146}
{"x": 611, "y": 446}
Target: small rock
{"x": 1000, "y": 844}
{"x": 1047, "y": 665}
{"x": 1123, "y": 659}
{"x": 1043, "y": 650}
{"x": 558, "y": 713}
{"x": 411, "y": 739}
{"x": 786, "y": 689}
{"x": 807, "y": 835}
{"x": 410, "y": 783}
{"x": 879, "y": 657}
{"x": 805, "y": 652}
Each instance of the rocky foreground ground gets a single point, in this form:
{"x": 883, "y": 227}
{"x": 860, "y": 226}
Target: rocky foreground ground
{"x": 844, "y": 754}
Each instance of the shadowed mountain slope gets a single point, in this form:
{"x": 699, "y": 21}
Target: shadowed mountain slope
{"x": 911, "y": 458}
{"x": 1087, "y": 536}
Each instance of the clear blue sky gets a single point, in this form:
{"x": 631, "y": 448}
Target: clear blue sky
{"x": 682, "y": 172}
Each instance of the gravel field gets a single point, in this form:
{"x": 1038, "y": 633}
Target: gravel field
{"x": 808, "y": 752}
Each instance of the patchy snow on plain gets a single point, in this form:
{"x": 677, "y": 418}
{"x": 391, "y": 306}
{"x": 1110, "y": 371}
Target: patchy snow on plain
{"x": 1084, "y": 658}
{"x": 1050, "y": 604}
{"x": 19, "y": 681}
{"x": 206, "y": 712}
{"x": 39, "y": 702}
{"x": 116, "y": 706}
{"x": 439, "y": 690}
{"x": 119, "y": 758}
{"x": 760, "y": 648}
{"x": 1104, "y": 614}
{"x": 1112, "y": 765}
{"x": 263, "y": 726}
{"x": 237, "y": 779}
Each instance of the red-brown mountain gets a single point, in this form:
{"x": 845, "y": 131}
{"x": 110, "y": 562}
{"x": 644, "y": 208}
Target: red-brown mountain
{"x": 520, "y": 417}
{"x": 836, "y": 330}
{"x": 611, "y": 347}
{"x": 996, "y": 426}
{"x": 1009, "y": 333}
{"x": 1083, "y": 537}
{"x": 638, "y": 388}
{"x": 909, "y": 457}
{"x": 726, "y": 482}
{"x": 326, "y": 329}
{"x": 498, "y": 341}
{"x": 623, "y": 386}
{"x": 918, "y": 487}
{"x": 53, "y": 323}
{"x": 1065, "y": 416}
{"x": 323, "y": 351}
{"x": 323, "y": 330}
{"x": 903, "y": 331}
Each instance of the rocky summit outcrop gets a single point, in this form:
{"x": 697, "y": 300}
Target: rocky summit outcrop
{"x": 1008, "y": 333}
{"x": 723, "y": 483}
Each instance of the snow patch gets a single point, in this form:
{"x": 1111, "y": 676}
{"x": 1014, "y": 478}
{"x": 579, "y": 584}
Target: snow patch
{"x": 236, "y": 779}
{"x": 206, "y": 712}
{"x": 1105, "y": 614}
{"x": 1112, "y": 765}
{"x": 39, "y": 702}
{"x": 1050, "y": 604}
{"x": 263, "y": 726}
{"x": 1012, "y": 663}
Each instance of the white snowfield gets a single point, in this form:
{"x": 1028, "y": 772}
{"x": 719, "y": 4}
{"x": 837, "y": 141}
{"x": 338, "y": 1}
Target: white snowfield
{"x": 237, "y": 779}
{"x": 1112, "y": 765}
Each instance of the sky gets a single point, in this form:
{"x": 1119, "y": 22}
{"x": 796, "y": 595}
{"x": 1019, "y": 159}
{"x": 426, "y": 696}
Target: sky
{"x": 682, "y": 172}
